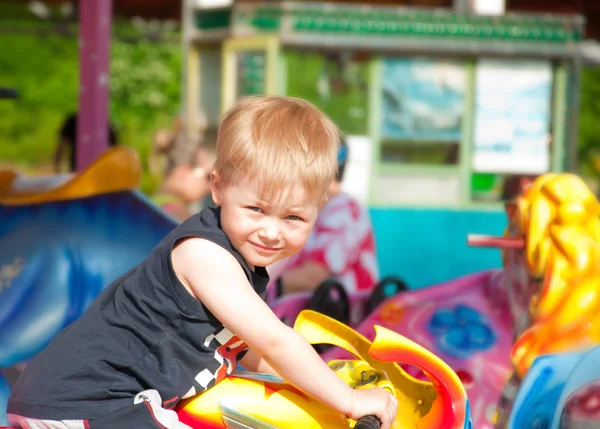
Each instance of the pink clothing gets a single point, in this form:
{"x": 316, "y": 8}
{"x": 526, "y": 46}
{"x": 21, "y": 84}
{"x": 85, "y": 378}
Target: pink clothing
{"x": 342, "y": 240}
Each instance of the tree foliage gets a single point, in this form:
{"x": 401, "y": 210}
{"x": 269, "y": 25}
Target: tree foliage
{"x": 42, "y": 65}
{"x": 589, "y": 123}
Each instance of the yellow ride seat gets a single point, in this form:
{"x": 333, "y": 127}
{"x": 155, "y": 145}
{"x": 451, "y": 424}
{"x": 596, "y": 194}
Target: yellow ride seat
{"x": 117, "y": 169}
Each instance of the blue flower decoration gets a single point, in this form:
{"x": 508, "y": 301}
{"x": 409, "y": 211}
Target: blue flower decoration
{"x": 461, "y": 331}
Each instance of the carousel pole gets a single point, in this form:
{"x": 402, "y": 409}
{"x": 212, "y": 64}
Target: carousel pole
{"x": 94, "y": 58}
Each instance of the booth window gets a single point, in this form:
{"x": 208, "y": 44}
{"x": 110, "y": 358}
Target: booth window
{"x": 251, "y": 73}
{"x": 423, "y": 103}
{"x": 418, "y": 149}
{"x": 420, "y": 153}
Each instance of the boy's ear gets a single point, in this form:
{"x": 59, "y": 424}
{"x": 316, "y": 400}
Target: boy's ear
{"x": 215, "y": 187}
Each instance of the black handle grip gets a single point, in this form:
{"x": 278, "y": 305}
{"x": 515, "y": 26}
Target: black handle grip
{"x": 368, "y": 422}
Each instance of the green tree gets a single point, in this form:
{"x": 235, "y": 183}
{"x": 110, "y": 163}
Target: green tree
{"x": 589, "y": 123}
{"x": 42, "y": 64}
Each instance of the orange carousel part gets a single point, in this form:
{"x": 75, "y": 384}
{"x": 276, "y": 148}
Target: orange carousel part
{"x": 262, "y": 401}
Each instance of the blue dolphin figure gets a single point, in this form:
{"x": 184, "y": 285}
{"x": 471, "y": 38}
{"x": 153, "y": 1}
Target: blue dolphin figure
{"x": 4, "y": 393}
{"x": 58, "y": 256}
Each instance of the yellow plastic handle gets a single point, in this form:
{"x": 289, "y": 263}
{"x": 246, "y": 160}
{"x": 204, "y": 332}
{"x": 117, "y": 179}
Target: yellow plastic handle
{"x": 441, "y": 403}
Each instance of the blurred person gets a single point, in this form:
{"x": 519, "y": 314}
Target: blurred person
{"x": 203, "y": 157}
{"x": 66, "y": 149}
{"x": 515, "y": 184}
{"x": 171, "y": 148}
{"x": 186, "y": 189}
{"x": 341, "y": 245}
{"x": 161, "y": 160}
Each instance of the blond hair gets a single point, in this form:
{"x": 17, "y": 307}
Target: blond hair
{"x": 281, "y": 142}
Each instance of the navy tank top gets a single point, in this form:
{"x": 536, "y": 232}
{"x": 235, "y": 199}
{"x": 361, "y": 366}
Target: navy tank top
{"x": 144, "y": 331}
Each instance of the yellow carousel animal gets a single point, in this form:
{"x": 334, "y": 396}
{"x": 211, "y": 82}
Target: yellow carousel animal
{"x": 557, "y": 218}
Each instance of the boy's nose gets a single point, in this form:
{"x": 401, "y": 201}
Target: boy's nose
{"x": 270, "y": 230}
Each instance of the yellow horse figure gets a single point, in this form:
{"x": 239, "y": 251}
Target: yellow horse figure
{"x": 248, "y": 400}
{"x": 558, "y": 219}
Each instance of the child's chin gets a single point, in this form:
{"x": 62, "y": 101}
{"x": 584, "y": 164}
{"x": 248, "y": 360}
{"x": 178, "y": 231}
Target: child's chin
{"x": 261, "y": 260}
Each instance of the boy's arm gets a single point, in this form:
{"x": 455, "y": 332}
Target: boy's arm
{"x": 255, "y": 363}
{"x": 216, "y": 278}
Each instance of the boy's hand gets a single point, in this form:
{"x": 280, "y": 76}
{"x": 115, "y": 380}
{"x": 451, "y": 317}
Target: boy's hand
{"x": 375, "y": 401}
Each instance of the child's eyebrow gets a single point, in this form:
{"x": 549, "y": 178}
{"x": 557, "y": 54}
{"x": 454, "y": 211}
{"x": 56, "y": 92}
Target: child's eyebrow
{"x": 297, "y": 210}
{"x": 263, "y": 203}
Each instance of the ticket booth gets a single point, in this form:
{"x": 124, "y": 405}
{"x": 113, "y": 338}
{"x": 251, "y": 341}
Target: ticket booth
{"x": 445, "y": 113}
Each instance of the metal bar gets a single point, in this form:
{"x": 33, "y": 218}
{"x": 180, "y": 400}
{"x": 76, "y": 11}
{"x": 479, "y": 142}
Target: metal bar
{"x": 282, "y": 73}
{"x": 192, "y": 89}
{"x": 559, "y": 115}
{"x": 187, "y": 29}
{"x": 466, "y": 142}
{"x": 477, "y": 240}
{"x": 573, "y": 117}
{"x": 271, "y": 65}
{"x": 94, "y": 58}
{"x": 375, "y": 106}
{"x": 429, "y": 46}
{"x": 229, "y": 77}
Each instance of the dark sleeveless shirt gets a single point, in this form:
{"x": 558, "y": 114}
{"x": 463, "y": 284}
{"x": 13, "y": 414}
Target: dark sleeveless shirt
{"x": 144, "y": 331}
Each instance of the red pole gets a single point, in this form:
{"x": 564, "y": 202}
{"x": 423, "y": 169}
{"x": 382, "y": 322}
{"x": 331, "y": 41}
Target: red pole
{"x": 94, "y": 58}
{"x": 476, "y": 240}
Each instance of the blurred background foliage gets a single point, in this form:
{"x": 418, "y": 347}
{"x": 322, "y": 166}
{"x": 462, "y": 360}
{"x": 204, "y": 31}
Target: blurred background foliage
{"x": 40, "y": 60}
{"x": 589, "y": 124}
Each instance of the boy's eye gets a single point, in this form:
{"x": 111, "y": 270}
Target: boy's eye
{"x": 294, "y": 217}
{"x": 254, "y": 209}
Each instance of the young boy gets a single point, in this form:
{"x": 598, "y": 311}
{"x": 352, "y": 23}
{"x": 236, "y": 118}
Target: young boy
{"x": 180, "y": 321}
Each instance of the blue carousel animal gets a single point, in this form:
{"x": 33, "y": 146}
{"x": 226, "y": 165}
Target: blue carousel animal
{"x": 61, "y": 246}
{"x": 560, "y": 391}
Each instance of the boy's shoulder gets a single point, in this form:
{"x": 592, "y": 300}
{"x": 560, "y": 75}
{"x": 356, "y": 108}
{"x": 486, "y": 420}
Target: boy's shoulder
{"x": 204, "y": 225}
{"x": 204, "y": 230}
{"x": 206, "y": 221}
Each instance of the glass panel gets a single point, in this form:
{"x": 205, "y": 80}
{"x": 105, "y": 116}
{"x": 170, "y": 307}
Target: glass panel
{"x": 423, "y": 99}
{"x": 210, "y": 85}
{"x": 423, "y": 153}
{"x": 250, "y": 73}
{"x": 335, "y": 82}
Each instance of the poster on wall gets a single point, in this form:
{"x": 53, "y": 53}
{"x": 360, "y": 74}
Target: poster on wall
{"x": 423, "y": 99}
{"x": 512, "y": 117}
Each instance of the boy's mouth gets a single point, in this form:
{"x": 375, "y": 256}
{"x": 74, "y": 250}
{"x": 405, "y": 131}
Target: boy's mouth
{"x": 265, "y": 248}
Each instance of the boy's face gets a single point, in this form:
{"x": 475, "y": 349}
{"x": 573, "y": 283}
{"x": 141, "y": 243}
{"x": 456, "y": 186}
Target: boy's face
{"x": 264, "y": 231}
